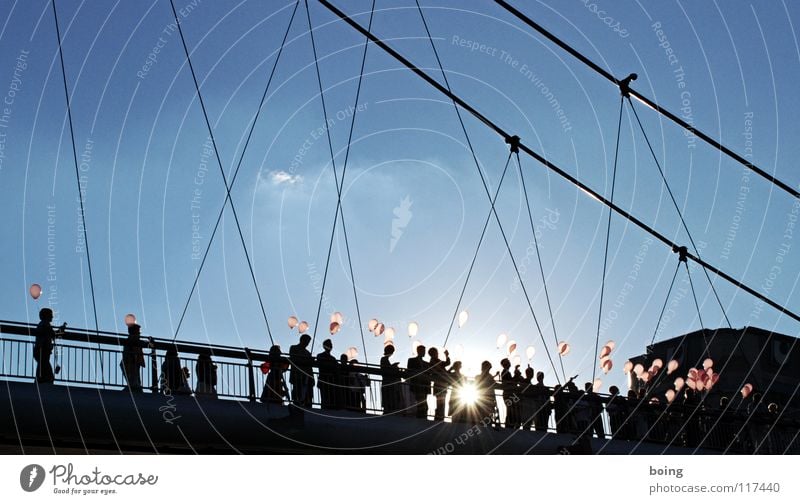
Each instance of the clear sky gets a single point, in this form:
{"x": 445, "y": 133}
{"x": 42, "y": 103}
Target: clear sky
{"x": 413, "y": 201}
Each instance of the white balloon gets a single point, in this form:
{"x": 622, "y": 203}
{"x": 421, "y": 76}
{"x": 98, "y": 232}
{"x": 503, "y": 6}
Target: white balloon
{"x": 292, "y": 321}
{"x": 628, "y": 367}
{"x": 462, "y": 318}
{"x": 501, "y": 340}
{"x": 610, "y": 344}
{"x": 597, "y": 384}
{"x": 371, "y": 325}
{"x": 708, "y": 363}
{"x": 337, "y": 317}
{"x": 413, "y": 329}
{"x": 352, "y": 353}
{"x": 530, "y": 352}
{"x": 390, "y": 332}
{"x": 302, "y": 327}
{"x": 672, "y": 366}
{"x": 379, "y": 329}
{"x": 511, "y": 347}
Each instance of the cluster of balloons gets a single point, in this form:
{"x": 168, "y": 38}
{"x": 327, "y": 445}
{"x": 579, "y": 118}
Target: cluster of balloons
{"x": 702, "y": 379}
{"x": 293, "y": 322}
{"x": 605, "y": 356}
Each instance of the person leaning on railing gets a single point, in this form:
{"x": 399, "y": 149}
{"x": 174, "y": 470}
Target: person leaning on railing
{"x": 43, "y": 347}
{"x": 133, "y": 358}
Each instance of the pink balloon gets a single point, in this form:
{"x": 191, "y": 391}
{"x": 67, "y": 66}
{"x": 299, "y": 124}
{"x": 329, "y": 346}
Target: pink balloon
{"x": 672, "y": 366}
{"x": 596, "y": 384}
{"x": 679, "y": 383}
{"x": 628, "y": 367}
{"x": 334, "y": 328}
{"x": 35, "y": 291}
{"x": 645, "y": 377}
{"x": 691, "y": 383}
{"x": 563, "y": 348}
{"x": 638, "y": 369}
{"x": 379, "y": 329}
{"x": 292, "y": 322}
{"x": 657, "y": 363}
{"x": 605, "y": 351}
{"x": 337, "y": 317}
{"x": 606, "y": 366}
{"x": 371, "y": 325}
{"x": 670, "y": 395}
{"x": 708, "y": 363}
{"x": 130, "y": 319}
{"x": 746, "y": 390}
{"x": 302, "y": 327}
{"x": 512, "y": 346}
{"x": 610, "y": 344}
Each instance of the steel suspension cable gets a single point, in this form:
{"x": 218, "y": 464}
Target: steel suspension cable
{"x": 550, "y": 165}
{"x": 650, "y": 103}
{"x": 514, "y": 146}
{"x": 539, "y": 259}
{"x": 608, "y": 237}
{"x": 663, "y": 308}
{"x": 80, "y": 191}
{"x": 236, "y": 172}
{"x": 477, "y": 249}
{"x": 339, "y": 212}
{"x": 677, "y": 208}
{"x": 228, "y": 196}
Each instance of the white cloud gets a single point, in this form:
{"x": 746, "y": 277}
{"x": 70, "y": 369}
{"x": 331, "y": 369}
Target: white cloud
{"x": 280, "y": 177}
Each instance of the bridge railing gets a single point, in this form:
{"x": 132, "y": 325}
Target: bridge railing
{"x": 92, "y": 359}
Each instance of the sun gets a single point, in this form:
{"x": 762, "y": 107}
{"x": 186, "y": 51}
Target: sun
{"x": 469, "y": 394}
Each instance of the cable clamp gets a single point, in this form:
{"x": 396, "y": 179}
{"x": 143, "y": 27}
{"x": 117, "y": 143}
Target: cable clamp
{"x": 682, "y": 252}
{"x": 624, "y": 85}
{"x": 513, "y": 141}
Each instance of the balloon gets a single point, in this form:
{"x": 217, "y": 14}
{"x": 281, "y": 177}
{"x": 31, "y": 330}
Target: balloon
{"x": 605, "y": 351}
{"x": 596, "y": 385}
{"x": 371, "y": 324}
{"x": 658, "y": 363}
{"x": 264, "y": 367}
{"x": 512, "y": 347}
{"x": 679, "y": 383}
{"x": 610, "y": 344}
{"x": 413, "y": 329}
{"x": 692, "y": 373}
{"x": 530, "y": 352}
{"x": 302, "y": 327}
{"x": 292, "y": 322}
{"x": 691, "y": 383}
{"x": 606, "y": 366}
{"x": 390, "y": 332}
{"x": 672, "y": 366}
{"x": 462, "y": 318}
{"x": 516, "y": 361}
{"x": 670, "y": 395}
{"x": 746, "y": 390}
{"x": 563, "y": 348}
{"x": 638, "y": 369}
{"x": 628, "y": 367}
{"x": 337, "y": 317}
{"x": 35, "y": 290}
{"x": 501, "y": 340}
{"x": 458, "y": 351}
{"x": 352, "y": 353}
{"x": 645, "y": 377}
{"x": 699, "y": 385}
{"x": 379, "y": 329}
{"x": 130, "y": 319}
{"x": 708, "y": 363}
{"x": 334, "y": 328}
{"x": 387, "y": 338}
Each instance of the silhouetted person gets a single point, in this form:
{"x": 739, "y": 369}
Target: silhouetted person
{"x": 527, "y": 403}
{"x": 133, "y": 358}
{"x": 510, "y": 398}
{"x": 344, "y": 384}
{"x": 616, "y": 412}
{"x": 565, "y": 397}
{"x": 486, "y": 403}
{"x": 417, "y": 376}
{"x": 595, "y": 410}
{"x": 390, "y": 382}
{"x": 457, "y": 408}
{"x": 275, "y": 390}
{"x": 43, "y": 347}
{"x": 542, "y": 406}
{"x": 301, "y": 375}
{"x": 438, "y": 374}
{"x": 206, "y": 372}
{"x": 359, "y": 383}
{"x": 327, "y": 376}
{"x": 173, "y": 379}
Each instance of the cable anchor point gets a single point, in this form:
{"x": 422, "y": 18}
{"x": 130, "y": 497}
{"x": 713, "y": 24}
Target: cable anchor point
{"x": 682, "y": 252}
{"x": 513, "y": 142}
{"x": 624, "y": 84}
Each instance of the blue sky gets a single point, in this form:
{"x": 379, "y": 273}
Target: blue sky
{"x": 151, "y": 182}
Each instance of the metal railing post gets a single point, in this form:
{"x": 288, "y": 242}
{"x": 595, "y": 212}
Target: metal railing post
{"x": 251, "y": 381}
{"x": 153, "y": 366}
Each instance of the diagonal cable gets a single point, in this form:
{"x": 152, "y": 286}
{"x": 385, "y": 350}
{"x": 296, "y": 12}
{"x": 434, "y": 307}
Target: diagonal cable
{"x": 663, "y": 308}
{"x": 486, "y": 189}
{"x": 339, "y": 212}
{"x": 236, "y": 172}
{"x": 539, "y": 259}
{"x": 677, "y": 208}
{"x": 228, "y": 197}
{"x": 608, "y": 236}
